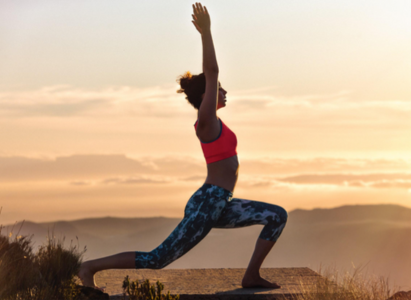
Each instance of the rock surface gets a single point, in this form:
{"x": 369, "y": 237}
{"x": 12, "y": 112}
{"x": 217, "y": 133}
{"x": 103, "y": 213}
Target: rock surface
{"x": 401, "y": 296}
{"x": 90, "y": 293}
{"x": 212, "y": 283}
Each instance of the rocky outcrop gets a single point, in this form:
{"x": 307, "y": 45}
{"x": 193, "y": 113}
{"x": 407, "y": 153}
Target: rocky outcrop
{"x": 401, "y": 296}
{"x": 90, "y": 293}
{"x": 212, "y": 284}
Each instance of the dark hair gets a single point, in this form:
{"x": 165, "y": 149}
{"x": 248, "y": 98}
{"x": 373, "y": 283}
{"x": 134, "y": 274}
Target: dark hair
{"x": 193, "y": 86}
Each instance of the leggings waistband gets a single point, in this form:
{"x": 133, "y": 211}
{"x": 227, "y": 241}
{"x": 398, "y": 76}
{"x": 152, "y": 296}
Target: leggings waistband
{"x": 217, "y": 190}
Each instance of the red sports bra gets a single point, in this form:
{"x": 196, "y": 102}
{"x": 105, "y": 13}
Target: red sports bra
{"x": 224, "y": 146}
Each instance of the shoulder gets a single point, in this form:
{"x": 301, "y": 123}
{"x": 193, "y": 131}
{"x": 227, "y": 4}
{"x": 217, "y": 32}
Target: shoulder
{"x": 208, "y": 131}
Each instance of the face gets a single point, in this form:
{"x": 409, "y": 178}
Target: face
{"x": 221, "y": 97}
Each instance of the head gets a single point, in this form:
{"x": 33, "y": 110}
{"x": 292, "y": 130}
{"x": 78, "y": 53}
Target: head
{"x": 194, "y": 88}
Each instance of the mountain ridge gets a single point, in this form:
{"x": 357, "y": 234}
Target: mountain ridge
{"x": 298, "y": 211}
{"x": 373, "y": 235}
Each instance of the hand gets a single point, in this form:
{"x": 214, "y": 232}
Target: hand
{"x": 201, "y": 18}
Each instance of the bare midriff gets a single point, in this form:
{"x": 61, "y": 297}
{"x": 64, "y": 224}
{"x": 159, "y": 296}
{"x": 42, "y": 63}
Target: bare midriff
{"x": 223, "y": 173}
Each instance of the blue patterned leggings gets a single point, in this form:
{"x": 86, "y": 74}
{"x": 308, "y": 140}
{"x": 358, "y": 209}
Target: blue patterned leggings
{"x": 210, "y": 207}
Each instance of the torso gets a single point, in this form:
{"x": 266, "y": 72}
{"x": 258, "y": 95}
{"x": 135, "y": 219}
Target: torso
{"x": 223, "y": 173}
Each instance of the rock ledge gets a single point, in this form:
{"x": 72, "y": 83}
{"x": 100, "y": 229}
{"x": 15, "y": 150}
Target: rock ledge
{"x": 212, "y": 283}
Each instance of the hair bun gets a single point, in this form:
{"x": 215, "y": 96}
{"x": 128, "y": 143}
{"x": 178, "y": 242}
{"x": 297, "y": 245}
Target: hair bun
{"x": 193, "y": 86}
{"x": 184, "y": 81}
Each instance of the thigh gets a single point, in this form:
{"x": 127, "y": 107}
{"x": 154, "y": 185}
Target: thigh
{"x": 201, "y": 213}
{"x": 242, "y": 212}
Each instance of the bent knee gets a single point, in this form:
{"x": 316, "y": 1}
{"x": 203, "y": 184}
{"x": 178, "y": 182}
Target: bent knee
{"x": 281, "y": 213}
{"x": 285, "y": 215}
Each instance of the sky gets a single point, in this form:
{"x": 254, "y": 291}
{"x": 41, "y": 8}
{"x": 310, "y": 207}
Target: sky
{"x": 319, "y": 96}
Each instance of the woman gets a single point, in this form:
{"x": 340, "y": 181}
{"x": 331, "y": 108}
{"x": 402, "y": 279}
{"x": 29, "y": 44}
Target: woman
{"x": 212, "y": 205}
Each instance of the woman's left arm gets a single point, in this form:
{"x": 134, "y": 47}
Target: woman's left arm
{"x": 207, "y": 113}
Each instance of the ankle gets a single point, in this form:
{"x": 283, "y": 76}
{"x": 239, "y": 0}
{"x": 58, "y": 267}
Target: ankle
{"x": 252, "y": 273}
{"x": 88, "y": 265}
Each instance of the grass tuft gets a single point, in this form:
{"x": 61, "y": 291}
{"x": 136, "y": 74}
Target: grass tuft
{"x": 336, "y": 285}
{"x": 143, "y": 290}
{"x": 46, "y": 275}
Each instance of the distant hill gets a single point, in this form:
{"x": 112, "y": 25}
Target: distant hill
{"x": 354, "y": 213}
{"x": 378, "y": 236}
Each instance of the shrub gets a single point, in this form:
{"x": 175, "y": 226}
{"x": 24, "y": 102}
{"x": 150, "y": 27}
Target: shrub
{"x": 47, "y": 274}
{"x": 144, "y": 291}
{"x": 356, "y": 286}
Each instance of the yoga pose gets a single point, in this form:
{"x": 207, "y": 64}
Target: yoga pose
{"x": 212, "y": 205}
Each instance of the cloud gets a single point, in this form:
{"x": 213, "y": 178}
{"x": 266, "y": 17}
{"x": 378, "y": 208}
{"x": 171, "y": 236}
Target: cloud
{"x": 18, "y": 168}
{"x": 379, "y": 180}
{"x": 52, "y": 109}
{"x": 82, "y": 170}
{"x": 400, "y": 184}
{"x": 259, "y": 101}
{"x": 322, "y": 164}
{"x": 341, "y": 178}
{"x": 87, "y": 170}
{"x": 194, "y": 178}
{"x": 86, "y": 167}
{"x": 135, "y": 180}
{"x": 80, "y": 183}
{"x": 341, "y": 110}
{"x": 68, "y": 101}
{"x": 158, "y": 120}
{"x": 163, "y": 101}
{"x": 340, "y": 100}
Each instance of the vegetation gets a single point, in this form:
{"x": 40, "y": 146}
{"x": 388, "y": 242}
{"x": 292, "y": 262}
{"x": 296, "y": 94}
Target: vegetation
{"x": 50, "y": 273}
{"x": 47, "y": 274}
{"x": 348, "y": 286}
{"x": 144, "y": 291}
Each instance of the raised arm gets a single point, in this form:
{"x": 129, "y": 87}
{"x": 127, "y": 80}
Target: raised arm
{"x": 207, "y": 114}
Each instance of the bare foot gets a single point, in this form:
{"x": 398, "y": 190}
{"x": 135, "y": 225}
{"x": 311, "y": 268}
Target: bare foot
{"x": 87, "y": 277}
{"x": 257, "y": 281}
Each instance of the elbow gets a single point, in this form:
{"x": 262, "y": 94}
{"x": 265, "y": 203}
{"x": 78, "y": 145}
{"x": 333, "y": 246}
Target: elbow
{"x": 211, "y": 70}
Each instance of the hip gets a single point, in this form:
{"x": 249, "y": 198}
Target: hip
{"x": 208, "y": 199}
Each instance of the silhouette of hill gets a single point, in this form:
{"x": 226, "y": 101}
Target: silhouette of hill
{"x": 354, "y": 213}
{"x": 377, "y": 236}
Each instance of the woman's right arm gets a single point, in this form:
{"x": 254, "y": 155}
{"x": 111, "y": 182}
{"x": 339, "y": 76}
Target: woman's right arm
{"x": 207, "y": 116}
